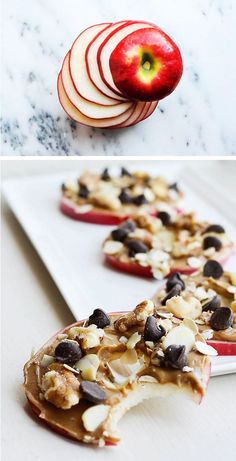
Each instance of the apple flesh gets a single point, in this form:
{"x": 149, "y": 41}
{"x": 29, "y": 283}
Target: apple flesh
{"x": 91, "y": 59}
{"x": 88, "y": 108}
{"x": 76, "y": 115}
{"x": 78, "y": 67}
{"x": 146, "y": 65}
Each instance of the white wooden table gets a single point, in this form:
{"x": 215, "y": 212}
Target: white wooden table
{"x": 33, "y": 309}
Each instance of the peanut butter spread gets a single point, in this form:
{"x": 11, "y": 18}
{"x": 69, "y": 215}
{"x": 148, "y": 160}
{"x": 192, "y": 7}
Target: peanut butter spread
{"x": 170, "y": 241}
{"x": 203, "y": 299}
{"x": 119, "y": 195}
{"x": 88, "y": 375}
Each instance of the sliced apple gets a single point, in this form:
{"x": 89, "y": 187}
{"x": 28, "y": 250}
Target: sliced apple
{"x": 78, "y": 68}
{"x": 151, "y": 109}
{"x": 88, "y": 108}
{"x": 108, "y": 46}
{"x": 132, "y": 267}
{"x": 93, "y": 217}
{"x": 223, "y": 347}
{"x": 76, "y": 115}
{"x": 136, "y": 115}
{"x": 92, "y": 63}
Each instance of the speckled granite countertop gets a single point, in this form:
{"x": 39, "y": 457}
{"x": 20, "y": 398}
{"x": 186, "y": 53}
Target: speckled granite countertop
{"x": 198, "y": 118}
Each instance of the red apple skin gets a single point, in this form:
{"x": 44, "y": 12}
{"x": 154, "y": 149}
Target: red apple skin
{"x": 92, "y": 217}
{"x": 136, "y": 269}
{"x": 132, "y": 79}
{"x": 223, "y": 347}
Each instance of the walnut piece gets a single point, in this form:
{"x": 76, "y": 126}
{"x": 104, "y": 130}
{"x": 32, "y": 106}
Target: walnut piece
{"x": 61, "y": 388}
{"x": 136, "y": 317}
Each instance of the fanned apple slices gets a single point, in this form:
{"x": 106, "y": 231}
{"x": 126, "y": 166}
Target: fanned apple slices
{"x": 106, "y": 199}
{"x": 209, "y": 297}
{"x": 151, "y": 246}
{"x": 86, "y": 88}
{"x": 90, "y": 373}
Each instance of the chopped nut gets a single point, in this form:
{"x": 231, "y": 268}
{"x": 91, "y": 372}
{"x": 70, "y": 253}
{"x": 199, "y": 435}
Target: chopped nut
{"x": 90, "y": 336}
{"x": 111, "y": 247}
{"x": 191, "y": 324}
{"x": 184, "y": 308}
{"x": 46, "y": 360}
{"x": 88, "y": 366}
{"x": 61, "y": 388}
{"x": 136, "y": 317}
{"x": 147, "y": 379}
{"x": 180, "y": 336}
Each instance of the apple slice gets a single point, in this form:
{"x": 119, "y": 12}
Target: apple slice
{"x": 151, "y": 110}
{"x": 76, "y": 115}
{"x": 134, "y": 268}
{"x": 108, "y": 46}
{"x": 93, "y": 217}
{"x": 88, "y": 410}
{"x": 223, "y": 347}
{"x": 92, "y": 62}
{"x": 78, "y": 69}
{"x": 88, "y": 108}
{"x": 136, "y": 116}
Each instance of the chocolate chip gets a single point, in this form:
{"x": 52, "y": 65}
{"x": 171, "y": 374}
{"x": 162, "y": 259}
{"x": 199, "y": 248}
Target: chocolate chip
{"x": 99, "y": 318}
{"x": 212, "y": 304}
{"x": 119, "y": 234}
{"x": 125, "y": 197}
{"x": 164, "y": 217}
{"x": 214, "y": 228}
{"x": 63, "y": 187}
{"x": 92, "y": 392}
{"x": 68, "y": 352}
{"x": 210, "y": 242}
{"x": 135, "y": 246}
{"x": 140, "y": 200}
{"x": 175, "y": 291}
{"x": 173, "y": 280}
{"x": 105, "y": 175}
{"x": 213, "y": 269}
{"x": 152, "y": 331}
{"x": 125, "y": 172}
{"x": 174, "y": 186}
{"x": 129, "y": 225}
{"x": 221, "y": 319}
{"x": 175, "y": 356}
{"x": 83, "y": 191}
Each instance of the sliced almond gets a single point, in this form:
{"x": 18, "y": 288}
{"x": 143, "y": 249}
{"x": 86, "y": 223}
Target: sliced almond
{"x": 191, "y": 324}
{"x": 82, "y": 209}
{"x": 180, "y": 336}
{"x": 194, "y": 262}
{"x": 111, "y": 247}
{"x": 147, "y": 379}
{"x": 205, "y": 349}
{"x": 94, "y": 416}
{"x": 133, "y": 340}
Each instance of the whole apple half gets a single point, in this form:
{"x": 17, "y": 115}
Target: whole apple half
{"x": 145, "y": 65}
{"x": 88, "y": 108}
{"x": 76, "y": 115}
{"x": 107, "y": 47}
{"x": 78, "y": 67}
{"x": 144, "y": 392}
{"x": 136, "y": 269}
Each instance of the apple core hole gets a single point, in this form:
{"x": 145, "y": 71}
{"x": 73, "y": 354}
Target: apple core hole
{"x": 147, "y": 62}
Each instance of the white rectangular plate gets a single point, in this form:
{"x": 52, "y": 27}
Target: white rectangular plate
{"x": 71, "y": 250}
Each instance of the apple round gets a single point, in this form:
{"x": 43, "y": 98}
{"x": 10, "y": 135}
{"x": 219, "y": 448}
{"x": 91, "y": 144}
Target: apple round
{"x": 78, "y": 70}
{"x": 91, "y": 60}
{"x": 109, "y": 45}
{"x": 76, "y": 115}
{"x": 145, "y": 65}
{"x": 88, "y": 108}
